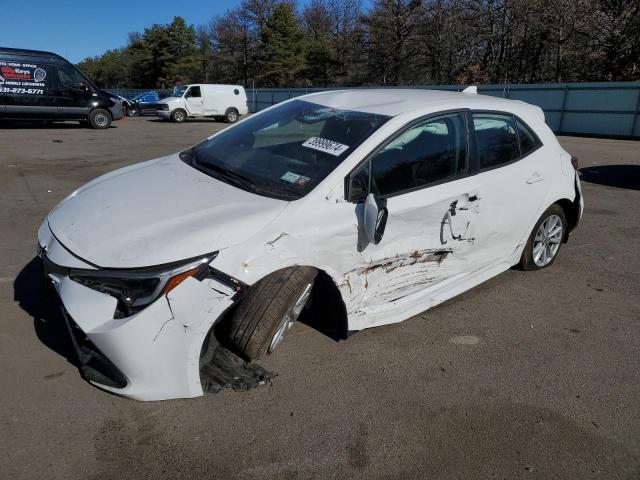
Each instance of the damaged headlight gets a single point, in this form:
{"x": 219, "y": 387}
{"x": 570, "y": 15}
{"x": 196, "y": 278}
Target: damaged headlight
{"x": 136, "y": 289}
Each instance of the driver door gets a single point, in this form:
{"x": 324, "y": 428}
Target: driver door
{"x": 74, "y": 94}
{"x": 433, "y": 210}
{"x": 193, "y": 100}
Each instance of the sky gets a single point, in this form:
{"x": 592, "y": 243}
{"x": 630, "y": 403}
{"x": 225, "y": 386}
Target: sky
{"x": 80, "y": 29}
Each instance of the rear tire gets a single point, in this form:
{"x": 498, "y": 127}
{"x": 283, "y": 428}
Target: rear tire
{"x": 178, "y": 115}
{"x": 231, "y": 116}
{"x": 268, "y": 311}
{"x": 545, "y": 240}
{"x": 99, "y": 118}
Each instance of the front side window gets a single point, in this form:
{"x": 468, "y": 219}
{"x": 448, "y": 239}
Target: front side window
{"x": 427, "y": 153}
{"x": 286, "y": 151}
{"x": 497, "y": 139}
{"x": 70, "y": 77}
{"x": 193, "y": 92}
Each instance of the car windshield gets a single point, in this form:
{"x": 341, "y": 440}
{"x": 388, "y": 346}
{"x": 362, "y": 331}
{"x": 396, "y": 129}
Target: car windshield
{"x": 284, "y": 152}
{"x": 178, "y": 91}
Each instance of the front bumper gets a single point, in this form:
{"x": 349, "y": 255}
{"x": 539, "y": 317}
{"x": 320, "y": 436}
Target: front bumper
{"x": 116, "y": 111}
{"x": 163, "y": 113}
{"x": 152, "y": 355}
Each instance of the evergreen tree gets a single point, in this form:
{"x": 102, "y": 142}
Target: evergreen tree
{"x": 284, "y": 47}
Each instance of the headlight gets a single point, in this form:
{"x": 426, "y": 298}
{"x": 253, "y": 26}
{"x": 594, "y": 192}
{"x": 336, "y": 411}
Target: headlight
{"x": 136, "y": 289}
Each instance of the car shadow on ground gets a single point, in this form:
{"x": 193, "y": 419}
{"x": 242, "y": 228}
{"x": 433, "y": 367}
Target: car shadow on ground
{"x": 620, "y": 176}
{"x": 43, "y": 124}
{"x": 35, "y": 296}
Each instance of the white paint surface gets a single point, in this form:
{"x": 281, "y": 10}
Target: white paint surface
{"x": 439, "y": 241}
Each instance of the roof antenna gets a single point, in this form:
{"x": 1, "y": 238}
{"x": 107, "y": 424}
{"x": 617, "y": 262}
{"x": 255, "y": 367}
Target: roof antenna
{"x": 472, "y": 90}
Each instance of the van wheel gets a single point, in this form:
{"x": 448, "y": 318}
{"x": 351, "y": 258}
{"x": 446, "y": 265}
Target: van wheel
{"x": 231, "y": 116}
{"x": 99, "y": 118}
{"x": 546, "y": 237}
{"x": 269, "y": 310}
{"x": 178, "y": 116}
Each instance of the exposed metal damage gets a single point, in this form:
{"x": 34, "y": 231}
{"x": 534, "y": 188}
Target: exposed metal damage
{"x": 221, "y": 369}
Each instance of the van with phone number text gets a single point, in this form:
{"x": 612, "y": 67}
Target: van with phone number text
{"x": 37, "y": 85}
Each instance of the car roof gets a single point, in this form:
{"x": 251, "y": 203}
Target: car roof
{"x": 394, "y": 101}
{"x": 33, "y": 54}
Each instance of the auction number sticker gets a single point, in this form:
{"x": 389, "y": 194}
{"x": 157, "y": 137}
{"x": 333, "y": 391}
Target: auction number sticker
{"x": 325, "y": 145}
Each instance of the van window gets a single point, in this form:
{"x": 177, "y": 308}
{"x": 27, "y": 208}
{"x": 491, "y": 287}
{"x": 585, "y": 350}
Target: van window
{"x": 70, "y": 77}
{"x": 430, "y": 152}
{"x": 193, "y": 92}
{"x": 497, "y": 139}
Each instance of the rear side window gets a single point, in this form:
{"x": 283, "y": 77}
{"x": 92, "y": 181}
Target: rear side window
{"x": 528, "y": 140}
{"x": 497, "y": 139}
{"x": 430, "y": 152}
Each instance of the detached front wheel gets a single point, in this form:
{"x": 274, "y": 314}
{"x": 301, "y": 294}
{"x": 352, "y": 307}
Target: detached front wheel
{"x": 269, "y": 310}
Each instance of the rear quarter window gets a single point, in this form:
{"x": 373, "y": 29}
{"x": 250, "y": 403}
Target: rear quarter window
{"x": 529, "y": 142}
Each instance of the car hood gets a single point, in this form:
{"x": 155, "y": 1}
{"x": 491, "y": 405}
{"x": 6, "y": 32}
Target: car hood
{"x": 157, "y": 212}
{"x": 169, "y": 100}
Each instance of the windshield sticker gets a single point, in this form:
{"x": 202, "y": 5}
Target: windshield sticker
{"x": 22, "y": 78}
{"x": 326, "y": 146}
{"x": 294, "y": 178}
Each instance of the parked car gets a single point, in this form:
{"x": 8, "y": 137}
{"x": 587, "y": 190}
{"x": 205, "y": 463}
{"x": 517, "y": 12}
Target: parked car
{"x": 146, "y": 103}
{"x": 37, "y": 85}
{"x": 227, "y": 102}
{"x": 374, "y": 204}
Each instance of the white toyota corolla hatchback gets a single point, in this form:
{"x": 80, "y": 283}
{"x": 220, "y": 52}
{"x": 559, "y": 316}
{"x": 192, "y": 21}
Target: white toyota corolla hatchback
{"x": 369, "y": 206}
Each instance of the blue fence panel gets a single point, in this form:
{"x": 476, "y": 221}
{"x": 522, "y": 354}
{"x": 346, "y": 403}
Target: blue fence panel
{"x": 607, "y": 109}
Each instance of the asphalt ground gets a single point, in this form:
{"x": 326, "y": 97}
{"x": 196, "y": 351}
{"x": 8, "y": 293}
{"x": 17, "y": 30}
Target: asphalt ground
{"x": 530, "y": 375}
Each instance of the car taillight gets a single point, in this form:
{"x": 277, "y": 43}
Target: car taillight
{"x": 574, "y": 162}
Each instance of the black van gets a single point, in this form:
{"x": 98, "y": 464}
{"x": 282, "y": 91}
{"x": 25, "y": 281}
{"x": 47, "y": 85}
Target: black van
{"x": 44, "y": 86}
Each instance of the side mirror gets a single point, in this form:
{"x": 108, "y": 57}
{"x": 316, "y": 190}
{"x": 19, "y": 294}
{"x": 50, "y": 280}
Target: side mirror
{"x": 375, "y": 218}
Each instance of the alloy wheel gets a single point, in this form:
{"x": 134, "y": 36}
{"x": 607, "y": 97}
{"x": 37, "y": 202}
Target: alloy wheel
{"x": 547, "y": 241}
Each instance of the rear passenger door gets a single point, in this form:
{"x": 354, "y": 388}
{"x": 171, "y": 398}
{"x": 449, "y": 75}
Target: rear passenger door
{"x": 513, "y": 182}
{"x": 429, "y": 238}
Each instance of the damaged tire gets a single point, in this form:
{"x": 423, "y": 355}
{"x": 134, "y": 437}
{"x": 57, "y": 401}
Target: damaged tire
{"x": 546, "y": 238}
{"x": 268, "y": 311}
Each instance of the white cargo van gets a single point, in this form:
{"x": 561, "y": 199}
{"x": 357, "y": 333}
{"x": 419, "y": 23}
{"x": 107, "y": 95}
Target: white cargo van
{"x": 227, "y": 102}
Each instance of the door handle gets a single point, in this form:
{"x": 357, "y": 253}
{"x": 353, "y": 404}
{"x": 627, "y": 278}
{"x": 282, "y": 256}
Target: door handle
{"x": 535, "y": 178}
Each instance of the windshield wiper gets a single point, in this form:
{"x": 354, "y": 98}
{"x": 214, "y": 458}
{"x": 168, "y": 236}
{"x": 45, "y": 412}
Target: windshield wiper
{"x": 237, "y": 179}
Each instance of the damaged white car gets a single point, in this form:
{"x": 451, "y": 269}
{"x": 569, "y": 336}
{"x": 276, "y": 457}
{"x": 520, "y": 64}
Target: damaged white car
{"x": 369, "y": 206}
